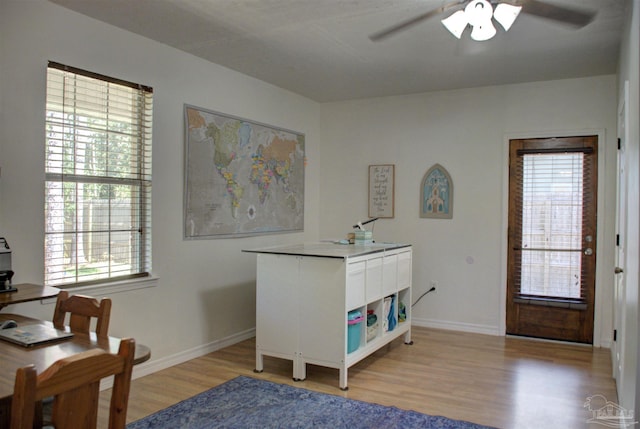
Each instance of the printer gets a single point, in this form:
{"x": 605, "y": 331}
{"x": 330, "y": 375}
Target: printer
{"x": 5, "y": 267}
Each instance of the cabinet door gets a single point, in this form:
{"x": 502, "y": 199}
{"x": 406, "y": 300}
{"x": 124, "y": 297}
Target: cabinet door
{"x": 374, "y": 279}
{"x": 277, "y": 303}
{"x": 404, "y": 270}
{"x": 355, "y": 284}
{"x": 390, "y": 274}
{"x": 323, "y": 318}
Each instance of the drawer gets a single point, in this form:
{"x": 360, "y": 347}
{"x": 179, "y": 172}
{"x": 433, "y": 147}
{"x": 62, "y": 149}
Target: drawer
{"x": 374, "y": 279}
{"x": 404, "y": 270}
{"x": 390, "y": 274}
{"x": 356, "y": 278}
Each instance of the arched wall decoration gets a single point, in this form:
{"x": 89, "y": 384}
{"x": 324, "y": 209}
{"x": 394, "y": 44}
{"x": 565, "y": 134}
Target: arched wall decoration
{"x": 436, "y": 194}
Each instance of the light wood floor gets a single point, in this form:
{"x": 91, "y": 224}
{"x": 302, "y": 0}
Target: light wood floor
{"x": 496, "y": 381}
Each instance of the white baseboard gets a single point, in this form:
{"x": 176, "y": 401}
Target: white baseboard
{"x": 457, "y": 326}
{"x": 605, "y": 344}
{"x": 168, "y": 361}
{"x": 156, "y": 365}
{"x": 486, "y": 329}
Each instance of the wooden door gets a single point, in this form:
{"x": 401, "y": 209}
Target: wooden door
{"x": 552, "y": 237}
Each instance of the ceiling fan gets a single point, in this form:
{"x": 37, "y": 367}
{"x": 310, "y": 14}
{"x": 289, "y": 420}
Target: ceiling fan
{"x": 479, "y": 13}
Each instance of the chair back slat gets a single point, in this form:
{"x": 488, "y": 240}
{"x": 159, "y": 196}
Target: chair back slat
{"x": 82, "y": 310}
{"x": 74, "y": 384}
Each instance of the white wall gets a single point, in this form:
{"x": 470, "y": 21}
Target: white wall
{"x": 467, "y": 132}
{"x": 206, "y": 288}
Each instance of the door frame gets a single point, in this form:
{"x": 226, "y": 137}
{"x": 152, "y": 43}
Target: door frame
{"x": 602, "y": 278}
{"x": 620, "y": 280}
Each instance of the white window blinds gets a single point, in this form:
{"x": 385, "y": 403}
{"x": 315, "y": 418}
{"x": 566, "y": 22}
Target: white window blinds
{"x": 552, "y": 196}
{"x": 98, "y": 178}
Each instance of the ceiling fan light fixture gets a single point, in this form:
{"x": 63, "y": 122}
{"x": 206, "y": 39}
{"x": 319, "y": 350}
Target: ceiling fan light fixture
{"x": 482, "y": 32}
{"x": 506, "y": 14}
{"x": 456, "y": 23}
{"x": 478, "y": 12}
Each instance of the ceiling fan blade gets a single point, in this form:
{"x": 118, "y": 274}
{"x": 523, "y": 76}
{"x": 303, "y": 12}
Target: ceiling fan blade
{"x": 576, "y": 17}
{"x": 413, "y": 21}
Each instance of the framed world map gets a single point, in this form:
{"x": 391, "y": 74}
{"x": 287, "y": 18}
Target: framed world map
{"x": 241, "y": 177}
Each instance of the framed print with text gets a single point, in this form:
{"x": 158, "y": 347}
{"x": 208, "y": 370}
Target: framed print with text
{"x": 381, "y": 190}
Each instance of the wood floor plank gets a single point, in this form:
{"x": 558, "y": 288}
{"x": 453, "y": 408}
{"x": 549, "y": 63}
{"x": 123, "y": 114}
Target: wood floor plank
{"x": 505, "y": 382}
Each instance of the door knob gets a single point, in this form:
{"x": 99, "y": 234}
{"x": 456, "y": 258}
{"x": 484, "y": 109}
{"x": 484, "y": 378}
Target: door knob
{"x": 618, "y": 270}
{"x": 588, "y": 251}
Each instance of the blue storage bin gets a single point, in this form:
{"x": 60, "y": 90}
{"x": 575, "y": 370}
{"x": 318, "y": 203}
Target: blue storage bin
{"x": 354, "y": 320}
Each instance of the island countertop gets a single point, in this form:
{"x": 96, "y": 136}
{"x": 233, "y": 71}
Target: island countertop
{"x": 328, "y": 249}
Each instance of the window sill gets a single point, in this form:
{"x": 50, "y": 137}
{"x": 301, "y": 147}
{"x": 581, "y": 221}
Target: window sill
{"x": 101, "y": 289}
{"x": 551, "y": 302}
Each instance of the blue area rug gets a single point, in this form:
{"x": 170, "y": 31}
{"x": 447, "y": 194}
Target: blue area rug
{"x": 246, "y": 402}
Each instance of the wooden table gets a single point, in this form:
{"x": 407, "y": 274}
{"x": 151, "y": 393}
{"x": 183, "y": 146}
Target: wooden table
{"x": 27, "y": 292}
{"x": 13, "y": 356}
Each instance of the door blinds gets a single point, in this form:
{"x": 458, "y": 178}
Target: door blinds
{"x": 553, "y": 187}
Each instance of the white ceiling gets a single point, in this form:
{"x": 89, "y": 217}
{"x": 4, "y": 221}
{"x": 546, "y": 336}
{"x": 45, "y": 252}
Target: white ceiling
{"x": 320, "y": 48}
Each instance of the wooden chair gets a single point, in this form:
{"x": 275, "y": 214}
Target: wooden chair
{"x": 81, "y": 310}
{"x": 74, "y": 383}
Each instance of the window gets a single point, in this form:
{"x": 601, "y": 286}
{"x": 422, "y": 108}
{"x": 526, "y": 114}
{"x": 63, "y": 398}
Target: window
{"x": 552, "y": 218}
{"x": 98, "y": 178}
{"x": 552, "y": 201}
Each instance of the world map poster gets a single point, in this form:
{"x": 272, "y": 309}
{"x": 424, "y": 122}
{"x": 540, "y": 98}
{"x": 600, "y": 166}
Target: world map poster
{"x": 241, "y": 177}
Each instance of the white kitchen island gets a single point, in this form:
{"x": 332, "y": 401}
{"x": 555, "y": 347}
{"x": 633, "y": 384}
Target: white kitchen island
{"x": 304, "y": 293}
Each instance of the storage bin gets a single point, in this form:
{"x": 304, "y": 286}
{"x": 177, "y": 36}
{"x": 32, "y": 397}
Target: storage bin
{"x": 363, "y": 237}
{"x": 372, "y": 331}
{"x": 372, "y": 324}
{"x": 354, "y": 319}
